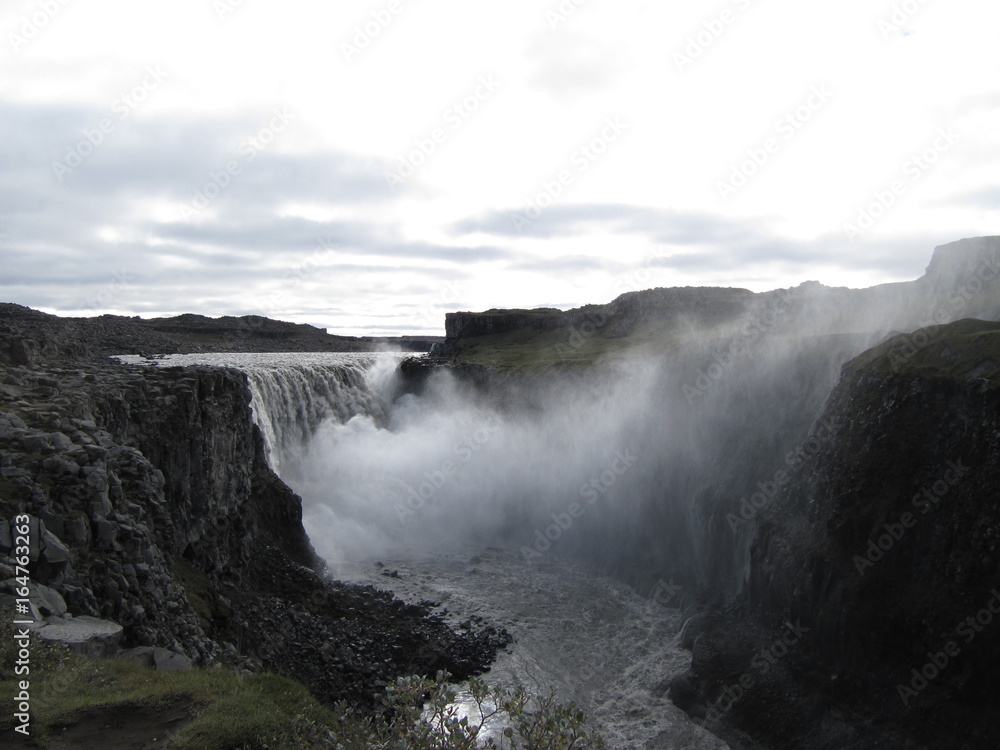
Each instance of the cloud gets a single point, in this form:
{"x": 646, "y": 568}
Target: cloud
{"x": 319, "y": 180}
{"x": 702, "y": 242}
{"x": 660, "y": 225}
{"x": 62, "y": 161}
{"x": 987, "y": 197}
{"x": 567, "y": 264}
{"x": 117, "y": 214}
{"x": 569, "y": 64}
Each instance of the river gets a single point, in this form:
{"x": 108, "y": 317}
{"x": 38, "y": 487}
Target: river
{"x": 589, "y": 637}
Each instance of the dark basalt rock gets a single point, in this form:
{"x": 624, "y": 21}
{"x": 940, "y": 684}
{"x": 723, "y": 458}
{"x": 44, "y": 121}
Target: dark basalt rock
{"x": 883, "y": 548}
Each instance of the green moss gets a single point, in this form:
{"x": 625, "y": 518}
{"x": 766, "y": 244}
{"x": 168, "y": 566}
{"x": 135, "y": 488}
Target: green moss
{"x": 528, "y": 350}
{"x": 961, "y": 351}
{"x": 227, "y": 709}
{"x": 198, "y": 589}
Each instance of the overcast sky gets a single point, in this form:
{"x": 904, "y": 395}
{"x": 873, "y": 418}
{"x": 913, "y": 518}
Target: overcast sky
{"x": 369, "y": 166}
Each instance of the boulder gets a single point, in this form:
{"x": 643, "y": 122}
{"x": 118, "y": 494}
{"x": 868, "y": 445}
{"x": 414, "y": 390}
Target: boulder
{"x": 42, "y": 600}
{"x": 6, "y": 539}
{"x": 48, "y": 601}
{"x": 20, "y": 352}
{"x": 168, "y": 661}
{"x": 54, "y": 552}
{"x": 85, "y": 635}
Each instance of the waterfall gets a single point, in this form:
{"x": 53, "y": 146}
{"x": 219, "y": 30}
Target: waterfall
{"x": 292, "y": 398}
{"x": 294, "y": 393}
{"x": 642, "y": 466}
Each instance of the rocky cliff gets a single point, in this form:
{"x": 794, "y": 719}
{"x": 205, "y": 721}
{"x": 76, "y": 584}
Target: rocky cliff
{"x": 883, "y": 555}
{"x": 152, "y": 507}
{"x": 621, "y": 317}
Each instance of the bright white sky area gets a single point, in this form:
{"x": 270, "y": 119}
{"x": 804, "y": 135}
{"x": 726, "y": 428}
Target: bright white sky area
{"x": 369, "y": 166}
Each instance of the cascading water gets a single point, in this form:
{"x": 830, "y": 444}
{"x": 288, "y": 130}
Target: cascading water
{"x": 294, "y": 394}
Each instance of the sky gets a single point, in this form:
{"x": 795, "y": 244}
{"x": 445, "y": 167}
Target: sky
{"x": 367, "y": 167}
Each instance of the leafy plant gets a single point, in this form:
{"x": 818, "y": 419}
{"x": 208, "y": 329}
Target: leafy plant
{"x": 422, "y": 715}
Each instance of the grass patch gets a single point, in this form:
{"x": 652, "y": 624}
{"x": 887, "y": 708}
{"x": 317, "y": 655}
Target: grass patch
{"x": 529, "y": 350}
{"x": 225, "y": 709}
{"x": 198, "y": 589}
{"x": 78, "y": 702}
{"x": 964, "y": 350}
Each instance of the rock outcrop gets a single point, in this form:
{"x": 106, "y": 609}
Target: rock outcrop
{"x": 84, "y": 634}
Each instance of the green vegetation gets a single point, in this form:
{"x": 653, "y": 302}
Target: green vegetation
{"x": 541, "y": 339}
{"x": 964, "y": 350}
{"x": 436, "y": 725}
{"x": 530, "y": 350}
{"x": 120, "y": 702}
{"x": 197, "y": 588}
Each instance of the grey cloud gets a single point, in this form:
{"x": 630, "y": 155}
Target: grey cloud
{"x": 988, "y": 198}
{"x": 174, "y": 157}
{"x": 569, "y": 63}
{"x": 660, "y": 225}
{"x": 567, "y": 264}
{"x": 698, "y": 241}
{"x": 904, "y": 257}
{"x": 269, "y": 232}
{"x": 53, "y": 255}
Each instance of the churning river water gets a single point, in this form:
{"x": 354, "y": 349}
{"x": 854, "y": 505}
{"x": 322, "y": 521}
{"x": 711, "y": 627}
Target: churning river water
{"x": 591, "y": 638}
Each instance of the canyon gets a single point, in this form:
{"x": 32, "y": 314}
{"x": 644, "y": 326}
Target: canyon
{"x": 811, "y": 473}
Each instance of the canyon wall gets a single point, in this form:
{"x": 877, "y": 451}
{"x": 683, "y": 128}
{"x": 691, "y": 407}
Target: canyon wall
{"x": 882, "y": 557}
